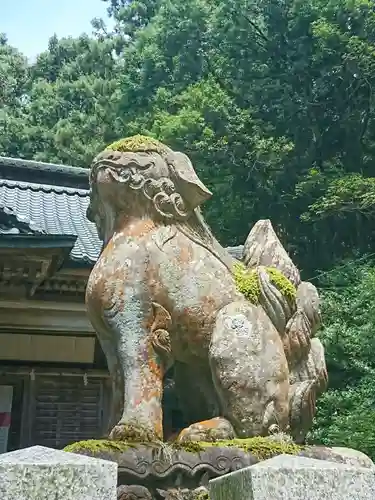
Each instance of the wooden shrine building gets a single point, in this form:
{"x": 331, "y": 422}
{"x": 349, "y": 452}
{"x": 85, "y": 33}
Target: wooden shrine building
{"x": 49, "y": 354}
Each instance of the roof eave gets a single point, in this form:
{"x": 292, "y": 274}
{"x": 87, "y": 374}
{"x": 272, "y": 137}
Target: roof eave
{"x": 42, "y": 241}
{"x": 39, "y": 172}
{"x": 83, "y": 262}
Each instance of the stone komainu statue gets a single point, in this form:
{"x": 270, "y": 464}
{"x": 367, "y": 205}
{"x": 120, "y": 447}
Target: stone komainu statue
{"x": 240, "y": 334}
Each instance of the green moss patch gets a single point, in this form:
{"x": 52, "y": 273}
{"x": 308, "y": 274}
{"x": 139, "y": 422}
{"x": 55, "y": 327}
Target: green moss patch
{"x": 261, "y": 447}
{"x": 192, "y": 446}
{"x": 106, "y": 445}
{"x": 138, "y": 143}
{"x": 247, "y": 282}
{"x": 285, "y": 286}
{"x": 97, "y": 446}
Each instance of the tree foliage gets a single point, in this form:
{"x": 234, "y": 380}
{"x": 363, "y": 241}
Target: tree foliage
{"x": 272, "y": 99}
{"x": 14, "y": 85}
{"x": 346, "y": 413}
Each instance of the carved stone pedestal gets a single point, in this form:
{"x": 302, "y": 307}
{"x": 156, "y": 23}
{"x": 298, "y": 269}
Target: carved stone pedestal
{"x": 182, "y": 472}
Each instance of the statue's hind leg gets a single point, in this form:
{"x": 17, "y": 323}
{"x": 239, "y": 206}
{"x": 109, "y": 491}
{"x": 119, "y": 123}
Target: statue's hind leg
{"x": 249, "y": 370}
{"x": 250, "y": 375}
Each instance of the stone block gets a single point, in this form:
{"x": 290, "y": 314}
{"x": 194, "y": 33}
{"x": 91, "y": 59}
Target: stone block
{"x": 287, "y": 477}
{"x": 40, "y": 473}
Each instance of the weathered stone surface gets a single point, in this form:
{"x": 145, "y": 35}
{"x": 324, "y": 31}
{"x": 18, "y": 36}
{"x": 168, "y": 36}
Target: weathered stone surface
{"x": 347, "y": 456}
{"x": 244, "y": 337}
{"x": 312, "y": 368}
{"x": 133, "y": 492}
{"x": 40, "y": 473}
{"x": 220, "y": 429}
{"x": 163, "y": 293}
{"x": 263, "y": 248}
{"x": 296, "y": 338}
{"x": 288, "y": 478}
{"x": 191, "y": 465}
{"x": 309, "y": 302}
{"x": 200, "y": 493}
{"x": 278, "y": 307}
{"x": 147, "y": 463}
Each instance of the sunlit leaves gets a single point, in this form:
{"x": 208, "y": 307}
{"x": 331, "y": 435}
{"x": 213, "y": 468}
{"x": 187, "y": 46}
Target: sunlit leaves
{"x": 346, "y": 413}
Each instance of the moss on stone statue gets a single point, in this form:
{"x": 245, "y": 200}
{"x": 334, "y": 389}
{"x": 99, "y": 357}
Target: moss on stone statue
{"x": 261, "y": 447}
{"x": 285, "y": 286}
{"x": 110, "y": 446}
{"x": 247, "y": 282}
{"x": 191, "y": 446}
{"x": 138, "y": 143}
{"x": 97, "y": 446}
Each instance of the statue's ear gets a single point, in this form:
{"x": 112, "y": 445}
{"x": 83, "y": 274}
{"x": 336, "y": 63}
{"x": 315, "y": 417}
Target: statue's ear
{"x": 187, "y": 182}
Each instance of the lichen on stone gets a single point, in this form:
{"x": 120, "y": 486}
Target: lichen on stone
{"x": 133, "y": 433}
{"x": 97, "y": 446}
{"x": 281, "y": 437}
{"x": 285, "y": 286}
{"x": 247, "y": 282}
{"x": 138, "y": 143}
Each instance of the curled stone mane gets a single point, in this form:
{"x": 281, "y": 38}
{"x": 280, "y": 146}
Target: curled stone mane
{"x": 165, "y": 198}
{"x": 166, "y": 202}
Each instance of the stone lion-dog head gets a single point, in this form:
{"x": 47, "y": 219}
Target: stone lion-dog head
{"x": 140, "y": 177}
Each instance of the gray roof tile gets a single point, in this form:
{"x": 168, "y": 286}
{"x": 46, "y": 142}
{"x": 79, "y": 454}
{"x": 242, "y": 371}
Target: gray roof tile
{"x": 53, "y": 210}
{"x": 11, "y": 224}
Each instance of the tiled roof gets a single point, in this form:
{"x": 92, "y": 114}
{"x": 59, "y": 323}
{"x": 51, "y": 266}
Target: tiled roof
{"x": 53, "y": 210}
{"x": 51, "y": 204}
{"x": 10, "y": 224}
{"x": 43, "y": 173}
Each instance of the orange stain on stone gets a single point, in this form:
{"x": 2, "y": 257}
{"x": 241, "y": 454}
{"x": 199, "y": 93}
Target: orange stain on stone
{"x": 151, "y": 375}
{"x": 186, "y": 254}
{"x": 210, "y": 424}
{"x": 147, "y": 322}
{"x": 158, "y": 426}
{"x": 139, "y": 228}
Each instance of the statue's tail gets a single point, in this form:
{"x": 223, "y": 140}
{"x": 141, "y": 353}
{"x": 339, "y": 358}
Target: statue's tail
{"x": 294, "y": 309}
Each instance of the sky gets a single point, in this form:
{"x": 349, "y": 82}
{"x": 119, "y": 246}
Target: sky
{"x": 29, "y": 24}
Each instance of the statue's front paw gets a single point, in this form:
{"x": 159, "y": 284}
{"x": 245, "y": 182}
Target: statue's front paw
{"x": 133, "y": 433}
{"x": 216, "y": 429}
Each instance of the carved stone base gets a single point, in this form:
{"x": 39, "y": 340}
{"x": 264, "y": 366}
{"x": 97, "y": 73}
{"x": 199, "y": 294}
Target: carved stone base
{"x": 174, "y": 472}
